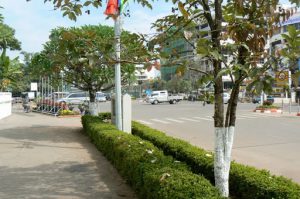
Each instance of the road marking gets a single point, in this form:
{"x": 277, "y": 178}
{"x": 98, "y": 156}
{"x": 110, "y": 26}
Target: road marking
{"x": 188, "y": 119}
{"x": 246, "y": 116}
{"x": 160, "y": 121}
{"x": 144, "y": 122}
{"x": 173, "y": 120}
{"x": 203, "y": 118}
{"x": 241, "y": 118}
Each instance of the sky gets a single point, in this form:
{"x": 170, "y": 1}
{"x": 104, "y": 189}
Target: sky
{"x": 34, "y": 20}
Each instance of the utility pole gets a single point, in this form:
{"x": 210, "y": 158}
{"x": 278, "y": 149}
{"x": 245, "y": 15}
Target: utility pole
{"x": 118, "y": 103}
{"x": 113, "y": 10}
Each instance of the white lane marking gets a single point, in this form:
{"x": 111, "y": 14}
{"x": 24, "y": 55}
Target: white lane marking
{"x": 246, "y": 116}
{"x": 160, "y": 121}
{"x": 203, "y": 118}
{"x": 173, "y": 120}
{"x": 144, "y": 122}
{"x": 188, "y": 119}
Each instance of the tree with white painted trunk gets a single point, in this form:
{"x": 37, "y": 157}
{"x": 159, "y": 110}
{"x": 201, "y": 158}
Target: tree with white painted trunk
{"x": 243, "y": 38}
{"x": 249, "y": 24}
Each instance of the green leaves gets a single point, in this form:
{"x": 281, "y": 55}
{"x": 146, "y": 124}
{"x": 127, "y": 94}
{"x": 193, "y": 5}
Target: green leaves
{"x": 7, "y": 38}
{"x": 73, "y": 9}
{"x": 291, "y": 52}
{"x": 86, "y": 56}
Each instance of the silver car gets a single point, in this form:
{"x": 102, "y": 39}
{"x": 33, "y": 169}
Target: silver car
{"x": 100, "y": 97}
{"x": 75, "y": 98}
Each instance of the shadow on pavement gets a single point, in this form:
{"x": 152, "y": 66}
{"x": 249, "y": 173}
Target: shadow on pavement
{"x": 57, "y": 180}
{"x": 41, "y": 161}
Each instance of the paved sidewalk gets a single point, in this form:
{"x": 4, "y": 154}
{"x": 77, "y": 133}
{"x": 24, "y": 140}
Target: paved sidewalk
{"x": 46, "y": 157}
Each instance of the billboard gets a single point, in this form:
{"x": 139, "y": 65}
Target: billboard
{"x": 282, "y": 78}
{"x": 33, "y": 86}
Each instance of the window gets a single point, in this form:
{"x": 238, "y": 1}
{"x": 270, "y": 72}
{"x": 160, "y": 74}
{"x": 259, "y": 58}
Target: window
{"x": 71, "y": 96}
{"x": 100, "y": 95}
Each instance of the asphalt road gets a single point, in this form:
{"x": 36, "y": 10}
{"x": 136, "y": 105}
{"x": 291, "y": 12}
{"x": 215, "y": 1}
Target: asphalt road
{"x": 266, "y": 141}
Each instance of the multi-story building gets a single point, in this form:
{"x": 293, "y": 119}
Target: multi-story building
{"x": 150, "y": 73}
{"x": 185, "y": 51}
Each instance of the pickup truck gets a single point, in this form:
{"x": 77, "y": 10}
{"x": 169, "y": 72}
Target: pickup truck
{"x": 163, "y": 96}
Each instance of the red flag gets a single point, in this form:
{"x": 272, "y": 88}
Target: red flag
{"x": 112, "y": 8}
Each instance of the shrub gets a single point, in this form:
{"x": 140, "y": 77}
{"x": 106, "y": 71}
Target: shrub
{"x": 267, "y": 103}
{"x": 244, "y": 181}
{"x": 104, "y": 116}
{"x": 268, "y": 106}
{"x": 68, "y": 112}
{"x": 144, "y": 166}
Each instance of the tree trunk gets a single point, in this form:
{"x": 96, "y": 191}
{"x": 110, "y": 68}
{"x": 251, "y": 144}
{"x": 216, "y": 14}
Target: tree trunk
{"x": 93, "y": 106}
{"x": 223, "y": 146}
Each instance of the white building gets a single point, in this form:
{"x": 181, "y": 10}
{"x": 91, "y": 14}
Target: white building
{"x": 149, "y": 73}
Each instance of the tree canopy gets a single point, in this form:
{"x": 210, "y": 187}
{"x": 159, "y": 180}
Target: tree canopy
{"x": 10, "y": 70}
{"x": 85, "y": 56}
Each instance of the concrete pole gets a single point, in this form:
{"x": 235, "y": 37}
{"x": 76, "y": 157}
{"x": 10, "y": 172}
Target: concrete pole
{"x": 42, "y": 88}
{"x": 118, "y": 103}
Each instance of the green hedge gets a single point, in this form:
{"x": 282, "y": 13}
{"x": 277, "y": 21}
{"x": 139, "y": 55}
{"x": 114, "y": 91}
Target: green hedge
{"x": 145, "y": 167}
{"x": 244, "y": 181}
{"x": 105, "y": 116}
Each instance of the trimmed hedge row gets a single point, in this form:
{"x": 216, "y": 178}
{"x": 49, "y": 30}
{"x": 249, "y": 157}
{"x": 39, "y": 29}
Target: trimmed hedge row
{"x": 244, "y": 182}
{"x": 152, "y": 174}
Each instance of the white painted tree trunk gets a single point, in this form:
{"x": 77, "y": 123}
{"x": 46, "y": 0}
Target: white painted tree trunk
{"x": 223, "y": 147}
{"x": 93, "y": 108}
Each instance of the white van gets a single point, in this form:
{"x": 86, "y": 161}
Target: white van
{"x": 163, "y": 96}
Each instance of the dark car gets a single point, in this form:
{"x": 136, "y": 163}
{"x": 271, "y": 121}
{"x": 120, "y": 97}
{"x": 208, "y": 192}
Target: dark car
{"x": 257, "y": 99}
{"x": 108, "y": 96}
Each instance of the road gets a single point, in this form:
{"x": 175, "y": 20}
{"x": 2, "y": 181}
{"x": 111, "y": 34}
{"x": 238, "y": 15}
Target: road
{"x": 266, "y": 141}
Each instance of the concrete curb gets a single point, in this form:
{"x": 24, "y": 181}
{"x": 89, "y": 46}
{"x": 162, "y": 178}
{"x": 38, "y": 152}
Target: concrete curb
{"x": 268, "y": 111}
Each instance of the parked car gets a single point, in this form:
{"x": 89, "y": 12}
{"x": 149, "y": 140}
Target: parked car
{"x": 57, "y": 95}
{"x": 75, "y": 98}
{"x": 257, "y": 99}
{"x": 108, "y": 96}
{"x": 100, "y": 97}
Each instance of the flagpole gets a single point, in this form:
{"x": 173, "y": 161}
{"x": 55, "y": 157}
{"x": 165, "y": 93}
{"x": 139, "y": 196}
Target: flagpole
{"x": 118, "y": 102}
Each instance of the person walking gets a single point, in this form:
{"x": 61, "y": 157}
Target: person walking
{"x": 26, "y": 104}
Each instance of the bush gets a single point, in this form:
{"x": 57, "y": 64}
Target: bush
{"x": 267, "y": 103}
{"x": 268, "y": 106}
{"x": 104, "y": 116}
{"x": 244, "y": 182}
{"x": 68, "y": 112}
{"x": 144, "y": 166}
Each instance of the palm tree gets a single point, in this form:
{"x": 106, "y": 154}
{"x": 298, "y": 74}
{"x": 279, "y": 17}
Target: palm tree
{"x": 10, "y": 72}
